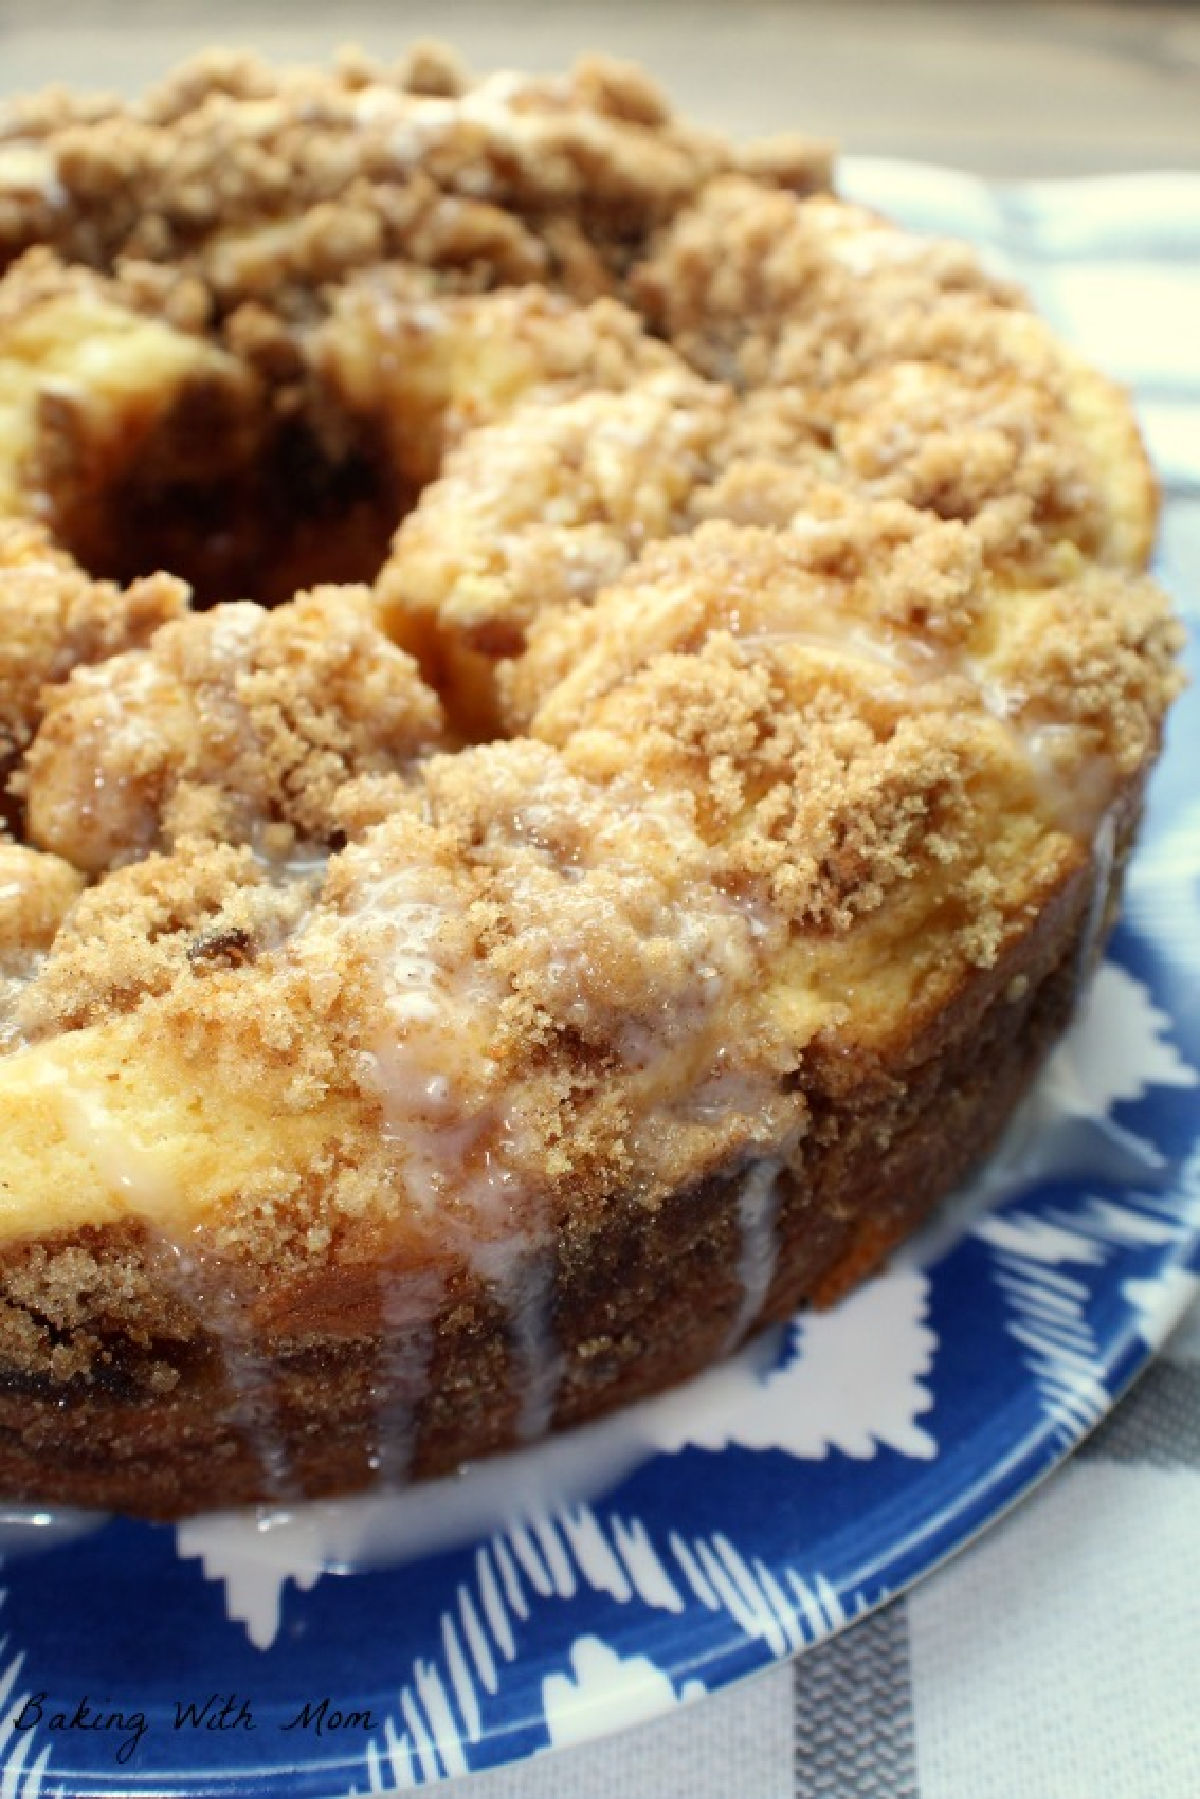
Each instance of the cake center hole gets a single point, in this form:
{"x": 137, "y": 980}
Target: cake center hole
{"x": 239, "y": 507}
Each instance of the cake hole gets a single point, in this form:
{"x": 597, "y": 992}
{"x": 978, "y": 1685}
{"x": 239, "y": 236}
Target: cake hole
{"x": 249, "y": 488}
{"x": 288, "y": 516}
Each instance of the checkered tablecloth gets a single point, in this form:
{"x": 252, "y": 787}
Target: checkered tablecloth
{"x": 1058, "y": 1657}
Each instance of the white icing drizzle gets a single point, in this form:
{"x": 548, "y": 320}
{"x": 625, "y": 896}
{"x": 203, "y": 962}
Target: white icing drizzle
{"x": 1077, "y": 795}
{"x": 250, "y": 1375}
{"x": 850, "y": 641}
{"x": 758, "y": 1205}
{"x": 419, "y": 1062}
{"x": 721, "y": 940}
{"x": 1079, "y": 800}
{"x": 408, "y": 1306}
{"x": 520, "y": 1273}
{"x": 1091, "y": 940}
{"x": 455, "y": 1141}
{"x": 13, "y": 985}
{"x": 304, "y": 862}
{"x": 301, "y": 862}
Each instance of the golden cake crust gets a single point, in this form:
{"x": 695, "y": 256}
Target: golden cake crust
{"x": 481, "y": 977}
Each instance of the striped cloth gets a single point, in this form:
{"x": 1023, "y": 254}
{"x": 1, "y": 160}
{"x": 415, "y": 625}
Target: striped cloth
{"x": 1059, "y": 1657}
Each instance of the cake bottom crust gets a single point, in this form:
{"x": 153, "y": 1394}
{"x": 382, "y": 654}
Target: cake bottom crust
{"x": 616, "y": 1312}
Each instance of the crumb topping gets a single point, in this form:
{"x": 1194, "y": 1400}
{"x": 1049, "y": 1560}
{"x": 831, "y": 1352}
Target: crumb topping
{"x": 229, "y": 721}
{"x": 754, "y": 286}
{"x": 762, "y": 640}
{"x": 257, "y": 180}
{"x": 207, "y": 907}
{"x": 53, "y": 619}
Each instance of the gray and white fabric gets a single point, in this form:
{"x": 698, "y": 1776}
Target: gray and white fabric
{"x": 1059, "y": 1656}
